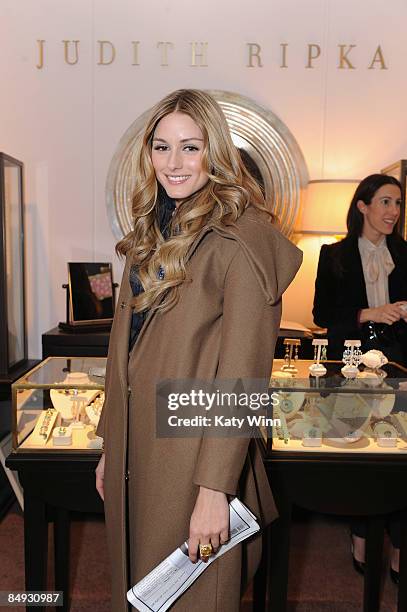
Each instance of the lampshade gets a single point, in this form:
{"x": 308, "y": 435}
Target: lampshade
{"x": 326, "y": 206}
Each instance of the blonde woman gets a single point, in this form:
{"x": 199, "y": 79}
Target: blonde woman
{"x": 200, "y": 299}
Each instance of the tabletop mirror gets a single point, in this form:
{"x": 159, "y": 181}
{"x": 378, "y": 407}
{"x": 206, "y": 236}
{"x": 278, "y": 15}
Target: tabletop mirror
{"x": 90, "y": 295}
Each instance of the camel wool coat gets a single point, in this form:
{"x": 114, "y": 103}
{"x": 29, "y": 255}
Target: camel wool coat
{"x": 224, "y": 326}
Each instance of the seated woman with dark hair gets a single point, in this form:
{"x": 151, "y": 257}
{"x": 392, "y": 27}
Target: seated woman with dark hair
{"x": 361, "y": 293}
{"x": 361, "y": 285}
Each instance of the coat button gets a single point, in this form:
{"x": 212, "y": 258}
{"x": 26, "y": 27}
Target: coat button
{"x": 127, "y": 475}
{"x": 122, "y": 305}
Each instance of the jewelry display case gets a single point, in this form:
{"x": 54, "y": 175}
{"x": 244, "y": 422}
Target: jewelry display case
{"x": 331, "y": 414}
{"x": 56, "y": 406}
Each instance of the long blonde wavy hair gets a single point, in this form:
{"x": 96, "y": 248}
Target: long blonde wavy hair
{"x": 229, "y": 191}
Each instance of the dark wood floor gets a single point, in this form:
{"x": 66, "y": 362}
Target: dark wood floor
{"x": 322, "y": 578}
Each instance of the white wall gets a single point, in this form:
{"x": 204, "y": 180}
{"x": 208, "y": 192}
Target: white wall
{"x": 64, "y": 122}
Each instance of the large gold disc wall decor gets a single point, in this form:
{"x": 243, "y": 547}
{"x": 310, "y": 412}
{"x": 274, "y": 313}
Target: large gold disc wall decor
{"x": 267, "y": 147}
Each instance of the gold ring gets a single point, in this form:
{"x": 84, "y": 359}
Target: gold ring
{"x": 205, "y": 550}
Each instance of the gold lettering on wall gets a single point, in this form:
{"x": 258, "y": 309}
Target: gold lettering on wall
{"x": 106, "y": 54}
{"x": 202, "y": 55}
{"x": 378, "y": 57}
{"x": 344, "y": 62}
{"x": 40, "y": 64}
{"x": 103, "y": 61}
{"x": 283, "y": 55}
{"x": 75, "y": 59}
{"x": 254, "y": 52}
{"x": 164, "y": 51}
{"x": 314, "y": 51}
{"x": 135, "y": 44}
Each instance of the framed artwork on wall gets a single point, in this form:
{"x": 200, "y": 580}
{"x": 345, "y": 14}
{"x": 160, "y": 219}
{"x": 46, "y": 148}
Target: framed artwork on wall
{"x": 13, "y": 336}
{"x": 399, "y": 171}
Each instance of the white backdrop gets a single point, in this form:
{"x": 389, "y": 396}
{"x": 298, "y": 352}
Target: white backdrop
{"x": 64, "y": 121}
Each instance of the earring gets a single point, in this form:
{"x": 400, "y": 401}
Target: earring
{"x": 357, "y": 356}
{"x": 347, "y": 356}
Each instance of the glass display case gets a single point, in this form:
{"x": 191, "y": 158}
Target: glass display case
{"x": 13, "y": 340}
{"x": 57, "y": 405}
{"x": 330, "y": 413}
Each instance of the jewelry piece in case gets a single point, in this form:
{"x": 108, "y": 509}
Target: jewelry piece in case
{"x": 386, "y": 433}
{"x": 62, "y": 436}
{"x": 291, "y": 345}
{"x": 312, "y": 436}
{"x": 352, "y": 357}
{"x": 317, "y": 369}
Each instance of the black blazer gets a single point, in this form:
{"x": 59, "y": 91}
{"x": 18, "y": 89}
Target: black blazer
{"x": 340, "y": 290}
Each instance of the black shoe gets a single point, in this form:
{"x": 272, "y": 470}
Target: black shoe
{"x": 358, "y": 565}
{"x": 394, "y": 575}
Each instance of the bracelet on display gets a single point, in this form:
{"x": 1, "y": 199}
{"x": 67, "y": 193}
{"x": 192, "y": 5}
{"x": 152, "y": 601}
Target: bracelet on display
{"x": 45, "y": 423}
{"x": 282, "y": 429}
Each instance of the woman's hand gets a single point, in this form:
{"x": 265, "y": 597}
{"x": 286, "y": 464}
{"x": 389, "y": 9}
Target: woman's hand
{"x": 100, "y": 477}
{"x": 389, "y": 313}
{"x": 209, "y": 521}
{"x": 403, "y": 310}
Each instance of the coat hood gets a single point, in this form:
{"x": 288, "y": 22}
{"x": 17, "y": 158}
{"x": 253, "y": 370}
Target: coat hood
{"x": 272, "y": 257}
